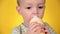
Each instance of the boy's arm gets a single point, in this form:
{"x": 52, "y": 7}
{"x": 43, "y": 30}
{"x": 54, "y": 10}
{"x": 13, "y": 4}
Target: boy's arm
{"x": 52, "y": 31}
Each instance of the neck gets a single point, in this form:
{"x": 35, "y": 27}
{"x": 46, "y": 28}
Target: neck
{"x": 26, "y": 24}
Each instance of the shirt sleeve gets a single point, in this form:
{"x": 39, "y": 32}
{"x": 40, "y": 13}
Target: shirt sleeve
{"x": 52, "y": 31}
{"x": 16, "y": 30}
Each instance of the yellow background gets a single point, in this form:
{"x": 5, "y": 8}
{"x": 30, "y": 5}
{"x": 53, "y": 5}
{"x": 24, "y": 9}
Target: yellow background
{"x": 9, "y": 17}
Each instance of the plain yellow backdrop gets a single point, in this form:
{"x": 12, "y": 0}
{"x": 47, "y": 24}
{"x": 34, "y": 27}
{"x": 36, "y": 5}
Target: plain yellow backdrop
{"x": 9, "y": 17}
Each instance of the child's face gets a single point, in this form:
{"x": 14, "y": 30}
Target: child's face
{"x": 29, "y": 8}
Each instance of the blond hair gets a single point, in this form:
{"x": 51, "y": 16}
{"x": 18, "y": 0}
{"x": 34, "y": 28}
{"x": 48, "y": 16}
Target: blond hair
{"x": 18, "y": 2}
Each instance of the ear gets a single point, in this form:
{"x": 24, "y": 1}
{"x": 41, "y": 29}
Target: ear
{"x": 18, "y": 9}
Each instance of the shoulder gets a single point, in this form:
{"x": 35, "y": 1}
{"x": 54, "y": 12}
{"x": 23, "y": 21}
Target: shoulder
{"x": 16, "y": 30}
{"x": 52, "y": 31}
{"x": 21, "y": 29}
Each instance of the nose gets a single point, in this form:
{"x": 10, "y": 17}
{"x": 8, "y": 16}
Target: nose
{"x": 35, "y": 12}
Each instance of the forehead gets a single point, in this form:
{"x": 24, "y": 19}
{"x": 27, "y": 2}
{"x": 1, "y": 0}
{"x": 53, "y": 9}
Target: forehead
{"x": 32, "y": 1}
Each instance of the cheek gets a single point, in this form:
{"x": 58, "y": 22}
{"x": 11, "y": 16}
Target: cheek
{"x": 41, "y": 13}
{"x": 27, "y": 15}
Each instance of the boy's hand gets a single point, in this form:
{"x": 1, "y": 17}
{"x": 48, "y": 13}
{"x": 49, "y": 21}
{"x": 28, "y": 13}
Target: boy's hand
{"x": 36, "y": 28}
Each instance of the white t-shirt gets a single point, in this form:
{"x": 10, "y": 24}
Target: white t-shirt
{"x": 22, "y": 29}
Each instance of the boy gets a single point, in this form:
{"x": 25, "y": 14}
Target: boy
{"x": 29, "y": 8}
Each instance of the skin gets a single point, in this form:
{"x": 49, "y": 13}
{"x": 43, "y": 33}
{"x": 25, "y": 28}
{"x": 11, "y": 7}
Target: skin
{"x": 29, "y": 8}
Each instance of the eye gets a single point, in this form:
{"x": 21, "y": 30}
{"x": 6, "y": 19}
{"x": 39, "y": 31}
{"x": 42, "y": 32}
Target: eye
{"x": 28, "y": 8}
{"x": 40, "y": 7}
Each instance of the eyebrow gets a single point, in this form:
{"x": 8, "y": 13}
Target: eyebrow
{"x": 41, "y": 3}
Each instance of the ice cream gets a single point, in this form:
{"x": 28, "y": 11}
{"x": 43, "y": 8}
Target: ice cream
{"x": 36, "y": 19}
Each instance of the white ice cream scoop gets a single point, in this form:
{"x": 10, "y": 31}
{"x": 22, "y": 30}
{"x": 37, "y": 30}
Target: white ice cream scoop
{"x": 36, "y": 19}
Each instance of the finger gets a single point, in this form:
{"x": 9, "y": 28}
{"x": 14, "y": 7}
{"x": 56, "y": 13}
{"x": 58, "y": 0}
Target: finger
{"x": 40, "y": 32}
{"x": 36, "y": 29}
{"x": 34, "y": 25}
{"x": 47, "y": 32}
{"x": 45, "y": 28}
